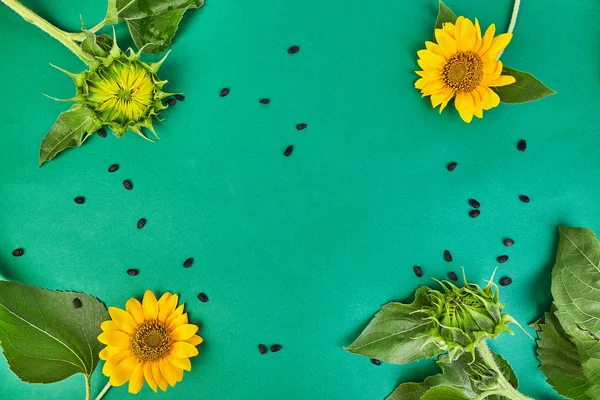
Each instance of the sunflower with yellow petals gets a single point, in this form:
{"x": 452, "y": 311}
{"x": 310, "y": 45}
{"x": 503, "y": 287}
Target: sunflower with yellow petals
{"x": 150, "y": 341}
{"x": 463, "y": 65}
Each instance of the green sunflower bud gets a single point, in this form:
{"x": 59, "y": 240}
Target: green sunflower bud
{"x": 464, "y": 317}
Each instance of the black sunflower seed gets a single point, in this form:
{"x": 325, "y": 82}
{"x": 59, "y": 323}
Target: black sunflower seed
{"x": 202, "y": 297}
{"x": 375, "y": 361}
{"x": 264, "y": 101}
{"x": 79, "y": 199}
{"x": 141, "y": 223}
{"x": 451, "y": 166}
{"x": 301, "y": 126}
{"x": 508, "y": 242}
{"x": 275, "y": 348}
{"x": 127, "y": 184}
{"x": 102, "y": 133}
{"x": 418, "y": 271}
{"x": 452, "y": 276}
{"x": 447, "y": 256}
{"x": 224, "y": 92}
{"x": 288, "y": 150}
{"x": 18, "y": 252}
{"x": 262, "y": 349}
{"x": 505, "y": 281}
{"x": 188, "y": 263}
{"x": 474, "y": 203}
{"x": 77, "y": 302}
{"x": 522, "y": 145}
{"x": 502, "y": 259}
{"x": 524, "y": 199}
{"x": 180, "y": 97}
{"x": 171, "y": 102}
{"x": 293, "y": 50}
{"x": 133, "y": 271}
{"x": 474, "y": 213}
{"x": 113, "y": 168}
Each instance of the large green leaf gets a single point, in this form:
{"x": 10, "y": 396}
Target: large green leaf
{"x": 395, "y": 334}
{"x": 526, "y": 88}
{"x": 445, "y": 393}
{"x": 153, "y": 23}
{"x": 91, "y": 46}
{"x": 445, "y": 14}
{"x": 71, "y": 129}
{"x": 559, "y": 359}
{"x": 44, "y": 337}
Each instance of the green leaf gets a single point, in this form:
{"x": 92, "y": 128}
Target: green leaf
{"x": 445, "y": 393}
{"x": 45, "y": 339}
{"x": 526, "y": 88}
{"x": 559, "y": 359}
{"x": 506, "y": 370}
{"x": 71, "y": 129}
{"x": 91, "y": 47}
{"x": 153, "y": 23}
{"x": 112, "y": 13}
{"x": 395, "y": 334}
{"x": 445, "y": 14}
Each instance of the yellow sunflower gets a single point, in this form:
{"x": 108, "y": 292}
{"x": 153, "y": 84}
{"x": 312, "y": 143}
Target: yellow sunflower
{"x": 463, "y": 64}
{"x": 151, "y": 342}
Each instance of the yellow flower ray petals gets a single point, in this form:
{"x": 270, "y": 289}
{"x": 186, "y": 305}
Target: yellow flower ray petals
{"x": 123, "y": 370}
{"x": 184, "y": 332}
{"x": 149, "y": 376}
{"x": 123, "y": 319}
{"x": 134, "y": 307}
{"x": 150, "y": 305}
{"x": 184, "y": 350}
{"x": 195, "y": 340}
{"x": 115, "y": 338}
{"x": 183, "y": 363}
{"x": 158, "y": 377}
{"x": 136, "y": 381}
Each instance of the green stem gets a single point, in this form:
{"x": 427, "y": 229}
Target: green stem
{"x": 506, "y": 389}
{"x": 513, "y": 20}
{"x": 88, "y": 389}
{"x": 66, "y": 38}
{"x": 103, "y": 392}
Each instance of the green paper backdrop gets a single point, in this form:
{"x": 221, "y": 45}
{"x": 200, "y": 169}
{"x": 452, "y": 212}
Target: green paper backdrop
{"x": 303, "y": 250}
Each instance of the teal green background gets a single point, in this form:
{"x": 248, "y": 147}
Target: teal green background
{"x": 303, "y": 250}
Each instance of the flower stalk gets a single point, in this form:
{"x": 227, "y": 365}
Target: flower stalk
{"x": 505, "y": 389}
{"x": 103, "y": 392}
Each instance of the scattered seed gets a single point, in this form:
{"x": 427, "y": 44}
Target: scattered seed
{"x": 447, "y": 256}
{"x": 188, "y": 263}
{"x": 522, "y": 145}
{"x": 418, "y": 271}
{"x": 375, "y": 361}
{"x": 505, "y": 281}
{"x": 202, "y": 297}
{"x": 275, "y": 348}
{"x": 293, "y": 50}
{"x": 113, "y": 168}
{"x": 127, "y": 184}
{"x": 474, "y": 213}
{"x": 18, "y": 252}
{"x": 508, "y": 242}
{"x": 288, "y": 150}
{"x": 79, "y": 199}
{"x": 301, "y": 127}
{"x": 502, "y": 259}
{"x": 133, "y": 271}
{"x": 224, "y": 92}
{"x": 141, "y": 223}
{"x": 452, "y": 276}
{"x": 451, "y": 166}
{"x": 171, "y": 102}
{"x": 262, "y": 349}
{"x": 474, "y": 203}
{"x": 77, "y": 302}
{"x": 102, "y": 133}
{"x": 524, "y": 199}
{"x": 264, "y": 101}
{"x": 180, "y": 97}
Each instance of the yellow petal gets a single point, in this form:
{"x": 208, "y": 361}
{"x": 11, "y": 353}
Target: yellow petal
{"x": 122, "y": 372}
{"x": 498, "y": 44}
{"x": 176, "y": 314}
{"x": 468, "y": 36}
{"x": 433, "y": 87}
{"x": 150, "y": 305}
{"x": 494, "y": 98}
{"x": 458, "y": 29}
{"x": 195, "y": 340}
{"x": 434, "y": 48}
{"x": 134, "y": 307}
{"x": 114, "y": 360}
{"x": 431, "y": 74}
{"x": 184, "y": 332}
{"x": 428, "y": 60}
{"x": 168, "y": 371}
{"x": 115, "y": 338}
{"x": 181, "y": 320}
{"x": 465, "y": 106}
{"x": 108, "y": 352}
{"x": 183, "y": 363}
{"x": 149, "y": 376}
{"x": 123, "y": 319}
{"x": 486, "y": 41}
{"x": 446, "y": 42}
{"x": 441, "y": 97}
{"x": 136, "y": 381}
{"x": 166, "y": 309}
{"x": 477, "y": 45}
{"x": 503, "y": 80}
{"x": 450, "y": 29}
{"x": 183, "y": 350}
{"x": 158, "y": 376}
{"x": 179, "y": 374}
{"x": 484, "y": 96}
{"x": 109, "y": 326}
{"x": 163, "y": 299}
{"x": 478, "y": 109}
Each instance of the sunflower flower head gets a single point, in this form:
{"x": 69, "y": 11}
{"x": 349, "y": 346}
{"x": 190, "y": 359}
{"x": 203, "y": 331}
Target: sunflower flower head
{"x": 463, "y": 65}
{"x": 150, "y": 341}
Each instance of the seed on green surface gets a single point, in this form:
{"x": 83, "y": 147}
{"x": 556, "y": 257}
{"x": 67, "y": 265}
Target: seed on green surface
{"x": 79, "y": 199}
{"x": 113, "y": 168}
{"x": 101, "y": 132}
{"x": 474, "y": 203}
{"x": 522, "y": 145}
{"x": 452, "y": 276}
{"x": 505, "y": 281}
{"x": 288, "y": 150}
{"x": 141, "y": 223}
{"x": 275, "y": 348}
{"x": 180, "y": 97}
{"x": 202, "y": 297}
{"x": 18, "y": 252}
{"x": 133, "y": 271}
{"x": 262, "y": 349}
{"x": 508, "y": 242}
{"x": 264, "y": 101}
{"x": 502, "y": 259}
{"x": 293, "y": 50}
{"x": 77, "y": 302}
{"x": 188, "y": 263}
{"x": 171, "y": 102}
{"x": 474, "y": 213}
{"x": 447, "y": 256}
{"x": 224, "y": 92}
{"x": 127, "y": 184}
{"x": 375, "y": 361}
{"x": 301, "y": 127}
{"x": 418, "y": 271}
{"x": 524, "y": 199}
{"x": 451, "y": 166}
